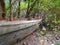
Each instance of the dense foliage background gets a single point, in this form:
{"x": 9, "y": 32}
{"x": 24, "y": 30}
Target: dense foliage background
{"x": 34, "y": 8}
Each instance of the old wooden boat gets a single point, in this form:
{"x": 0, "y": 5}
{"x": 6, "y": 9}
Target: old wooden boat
{"x": 10, "y": 32}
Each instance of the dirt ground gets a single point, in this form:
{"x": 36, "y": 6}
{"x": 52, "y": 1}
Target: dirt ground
{"x": 37, "y": 39}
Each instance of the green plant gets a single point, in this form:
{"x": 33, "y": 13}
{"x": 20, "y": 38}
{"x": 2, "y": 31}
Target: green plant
{"x": 58, "y": 44}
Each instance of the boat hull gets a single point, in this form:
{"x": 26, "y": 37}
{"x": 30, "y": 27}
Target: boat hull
{"x": 11, "y": 38}
{"x": 10, "y": 32}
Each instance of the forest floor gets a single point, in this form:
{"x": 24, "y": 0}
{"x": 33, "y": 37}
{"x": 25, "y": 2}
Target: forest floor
{"x": 37, "y": 39}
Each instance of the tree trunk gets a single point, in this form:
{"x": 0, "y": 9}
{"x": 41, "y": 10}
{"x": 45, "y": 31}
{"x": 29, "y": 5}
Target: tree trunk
{"x": 11, "y": 16}
{"x": 32, "y": 6}
{"x": 30, "y": 9}
{"x": 11, "y": 5}
{"x": 3, "y": 9}
{"x": 19, "y": 9}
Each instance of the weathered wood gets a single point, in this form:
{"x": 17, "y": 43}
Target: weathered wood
{"x": 11, "y": 38}
{"x": 13, "y": 31}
